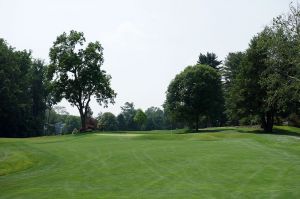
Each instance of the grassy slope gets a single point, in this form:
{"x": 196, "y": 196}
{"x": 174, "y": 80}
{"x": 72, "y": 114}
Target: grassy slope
{"x": 218, "y": 162}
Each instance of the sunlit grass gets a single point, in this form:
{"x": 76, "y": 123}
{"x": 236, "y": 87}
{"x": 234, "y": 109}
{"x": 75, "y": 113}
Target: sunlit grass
{"x": 229, "y": 162}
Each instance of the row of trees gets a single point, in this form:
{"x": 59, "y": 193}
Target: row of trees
{"x": 263, "y": 82}
{"x": 130, "y": 118}
{"x": 134, "y": 119}
{"x": 257, "y": 86}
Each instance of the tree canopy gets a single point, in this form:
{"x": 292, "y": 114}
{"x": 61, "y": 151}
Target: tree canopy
{"x": 209, "y": 59}
{"x": 266, "y": 83}
{"x": 140, "y": 118}
{"x": 22, "y": 93}
{"x": 108, "y": 121}
{"x": 193, "y": 93}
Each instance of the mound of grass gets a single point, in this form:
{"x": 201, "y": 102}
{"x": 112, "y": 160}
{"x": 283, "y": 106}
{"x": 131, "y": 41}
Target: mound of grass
{"x": 215, "y": 163}
{"x": 14, "y": 160}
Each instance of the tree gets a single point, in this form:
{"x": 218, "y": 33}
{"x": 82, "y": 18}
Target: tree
{"x": 108, "y": 122}
{"x": 267, "y": 83}
{"x": 232, "y": 67}
{"x": 121, "y": 122}
{"x": 71, "y": 122}
{"x": 140, "y": 118}
{"x": 129, "y": 112}
{"x": 209, "y": 59}
{"x": 76, "y": 73}
{"x": 21, "y": 93}
{"x": 38, "y": 93}
{"x": 193, "y": 93}
{"x": 61, "y": 110}
{"x": 155, "y": 118}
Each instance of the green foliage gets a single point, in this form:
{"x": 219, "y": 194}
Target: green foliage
{"x": 59, "y": 115}
{"x": 22, "y": 93}
{"x": 108, "y": 122}
{"x": 71, "y": 122}
{"x": 129, "y": 112}
{"x": 155, "y": 119}
{"x": 266, "y": 84}
{"x": 121, "y": 122}
{"x": 193, "y": 93}
{"x": 232, "y": 67}
{"x": 209, "y": 59}
{"x": 140, "y": 118}
{"x": 76, "y": 73}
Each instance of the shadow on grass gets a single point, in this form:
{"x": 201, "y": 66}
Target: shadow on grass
{"x": 279, "y": 131}
{"x": 276, "y": 131}
{"x": 208, "y": 130}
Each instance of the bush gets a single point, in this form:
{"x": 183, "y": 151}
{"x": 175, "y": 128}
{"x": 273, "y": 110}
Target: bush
{"x": 75, "y": 131}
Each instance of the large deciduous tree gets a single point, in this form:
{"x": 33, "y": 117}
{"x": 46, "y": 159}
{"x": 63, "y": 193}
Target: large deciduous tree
{"x": 76, "y": 72}
{"x": 193, "y": 93}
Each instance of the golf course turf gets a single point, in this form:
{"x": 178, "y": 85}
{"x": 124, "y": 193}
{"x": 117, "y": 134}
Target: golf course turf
{"x": 231, "y": 162}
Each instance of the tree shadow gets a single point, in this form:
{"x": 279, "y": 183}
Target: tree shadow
{"x": 276, "y": 131}
{"x": 208, "y": 130}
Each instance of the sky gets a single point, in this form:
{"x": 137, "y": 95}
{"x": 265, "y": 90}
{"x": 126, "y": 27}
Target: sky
{"x": 146, "y": 42}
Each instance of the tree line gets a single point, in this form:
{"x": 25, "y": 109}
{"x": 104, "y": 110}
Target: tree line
{"x": 23, "y": 93}
{"x": 257, "y": 86}
{"x": 130, "y": 118}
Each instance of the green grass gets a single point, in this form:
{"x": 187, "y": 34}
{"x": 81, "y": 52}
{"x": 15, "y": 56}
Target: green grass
{"x": 215, "y": 163}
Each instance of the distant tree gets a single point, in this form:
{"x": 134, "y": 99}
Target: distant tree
{"x": 209, "y": 59}
{"x": 108, "y": 122}
{"x": 140, "y": 118}
{"x": 121, "y": 122}
{"x": 193, "y": 93}
{"x": 155, "y": 118}
{"x": 61, "y": 110}
{"x": 76, "y": 73}
{"x": 128, "y": 111}
{"x": 71, "y": 122}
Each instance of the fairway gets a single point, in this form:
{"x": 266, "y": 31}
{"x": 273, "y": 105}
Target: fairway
{"x": 215, "y": 163}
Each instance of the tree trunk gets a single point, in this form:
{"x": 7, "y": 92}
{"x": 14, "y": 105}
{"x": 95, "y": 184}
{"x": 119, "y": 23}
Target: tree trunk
{"x": 47, "y": 132}
{"x": 208, "y": 121}
{"x": 82, "y": 122}
{"x": 197, "y": 123}
{"x": 83, "y": 119}
{"x": 267, "y": 122}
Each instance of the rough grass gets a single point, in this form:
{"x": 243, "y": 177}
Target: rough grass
{"x": 215, "y": 163}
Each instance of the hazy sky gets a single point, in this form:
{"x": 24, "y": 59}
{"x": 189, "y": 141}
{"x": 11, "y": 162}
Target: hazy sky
{"x": 146, "y": 43}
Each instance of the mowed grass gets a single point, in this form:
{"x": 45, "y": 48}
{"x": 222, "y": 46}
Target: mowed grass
{"x": 215, "y": 163}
